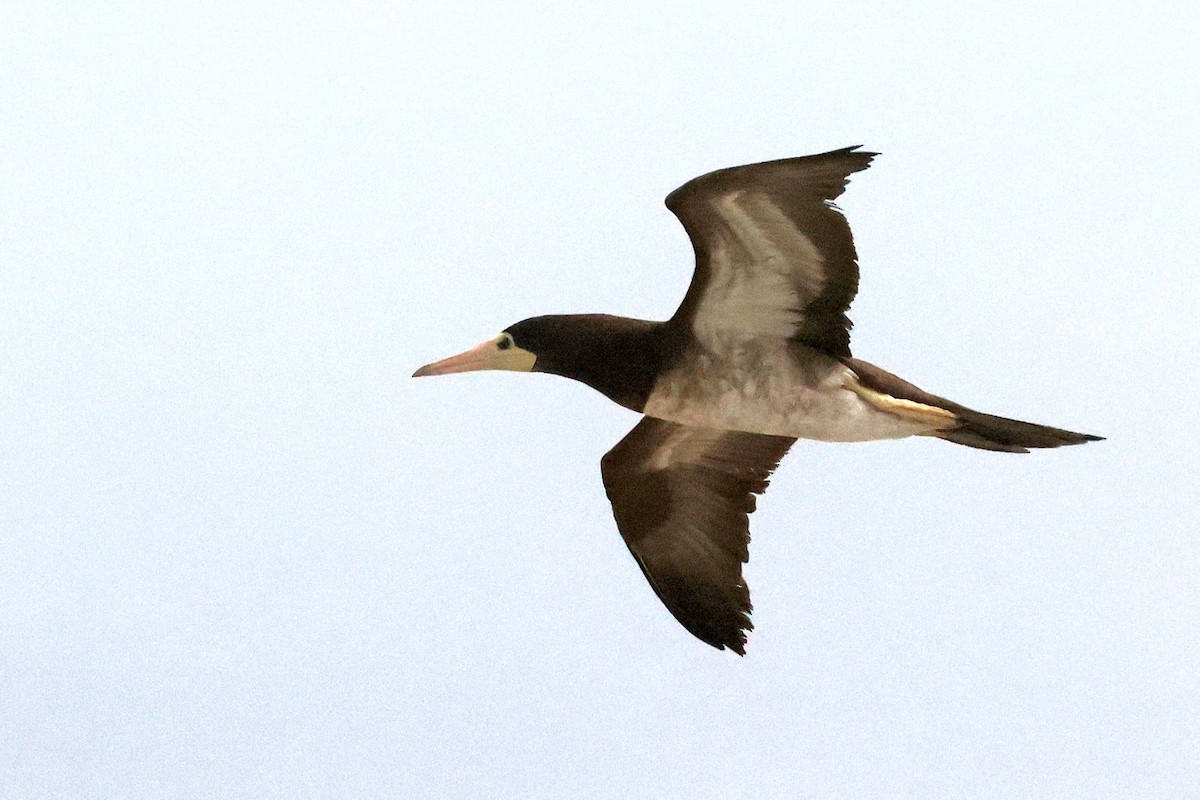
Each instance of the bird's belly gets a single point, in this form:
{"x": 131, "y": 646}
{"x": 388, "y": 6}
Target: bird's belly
{"x": 772, "y": 393}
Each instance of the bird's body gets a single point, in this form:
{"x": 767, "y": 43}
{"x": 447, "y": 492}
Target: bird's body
{"x": 756, "y": 356}
{"x": 775, "y": 386}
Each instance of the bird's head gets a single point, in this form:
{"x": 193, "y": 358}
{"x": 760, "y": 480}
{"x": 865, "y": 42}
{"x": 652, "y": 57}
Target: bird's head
{"x": 528, "y": 346}
{"x": 617, "y": 357}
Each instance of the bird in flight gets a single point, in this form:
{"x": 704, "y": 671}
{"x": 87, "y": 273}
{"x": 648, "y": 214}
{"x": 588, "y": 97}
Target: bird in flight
{"x": 756, "y": 356}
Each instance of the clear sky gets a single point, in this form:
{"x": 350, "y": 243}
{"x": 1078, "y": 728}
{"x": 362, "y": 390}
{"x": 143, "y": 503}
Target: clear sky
{"x": 243, "y": 555}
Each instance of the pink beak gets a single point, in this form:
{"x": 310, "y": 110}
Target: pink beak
{"x": 479, "y": 357}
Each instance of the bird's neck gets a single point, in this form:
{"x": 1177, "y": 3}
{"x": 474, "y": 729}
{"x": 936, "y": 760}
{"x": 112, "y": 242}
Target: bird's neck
{"x": 616, "y": 356}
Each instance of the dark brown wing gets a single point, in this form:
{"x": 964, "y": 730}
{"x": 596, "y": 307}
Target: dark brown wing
{"x": 774, "y": 256}
{"x": 681, "y": 497}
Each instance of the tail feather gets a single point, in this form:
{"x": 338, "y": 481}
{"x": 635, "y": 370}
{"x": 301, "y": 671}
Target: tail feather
{"x": 988, "y": 432}
{"x": 969, "y": 427}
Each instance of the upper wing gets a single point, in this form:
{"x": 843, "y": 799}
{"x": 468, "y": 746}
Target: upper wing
{"x": 681, "y": 497}
{"x": 774, "y": 256}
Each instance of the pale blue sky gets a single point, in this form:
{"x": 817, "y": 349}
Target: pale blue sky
{"x": 242, "y": 554}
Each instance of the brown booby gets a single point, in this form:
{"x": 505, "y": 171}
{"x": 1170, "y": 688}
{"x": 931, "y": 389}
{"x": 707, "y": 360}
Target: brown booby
{"x": 756, "y": 356}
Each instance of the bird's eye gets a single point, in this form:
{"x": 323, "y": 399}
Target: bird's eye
{"x": 505, "y": 342}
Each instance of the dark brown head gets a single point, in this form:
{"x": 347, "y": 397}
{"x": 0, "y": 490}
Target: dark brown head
{"x": 617, "y": 356}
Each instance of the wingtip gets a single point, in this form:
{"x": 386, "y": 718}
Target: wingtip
{"x": 733, "y": 639}
{"x": 856, "y": 150}
{"x": 736, "y": 645}
{"x": 859, "y": 159}
{"x": 737, "y": 642}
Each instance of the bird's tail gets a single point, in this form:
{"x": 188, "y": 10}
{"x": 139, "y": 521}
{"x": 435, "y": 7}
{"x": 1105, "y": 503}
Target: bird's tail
{"x": 951, "y": 421}
{"x": 987, "y": 432}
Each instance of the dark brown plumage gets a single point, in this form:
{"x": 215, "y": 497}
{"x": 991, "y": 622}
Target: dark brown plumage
{"x": 803, "y": 189}
{"x": 686, "y": 519}
{"x": 756, "y": 356}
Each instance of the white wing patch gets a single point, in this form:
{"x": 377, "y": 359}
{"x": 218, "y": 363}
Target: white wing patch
{"x": 682, "y": 446}
{"x": 756, "y": 270}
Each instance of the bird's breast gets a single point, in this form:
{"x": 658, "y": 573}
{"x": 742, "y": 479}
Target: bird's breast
{"x": 771, "y": 386}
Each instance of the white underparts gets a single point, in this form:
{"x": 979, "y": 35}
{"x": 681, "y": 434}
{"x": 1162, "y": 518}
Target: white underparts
{"x": 774, "y": 386}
